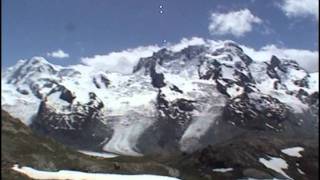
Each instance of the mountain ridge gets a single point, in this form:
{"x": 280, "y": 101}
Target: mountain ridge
{"x": 173, "y": 100}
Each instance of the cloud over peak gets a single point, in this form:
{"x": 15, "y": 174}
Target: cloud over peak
{"x": 124, "y": 61}
{"x": 305, "y": 58}
{"x": 58, "y": 54}
{"x": 120, "y": 62}
{"x": 236, "y": 23}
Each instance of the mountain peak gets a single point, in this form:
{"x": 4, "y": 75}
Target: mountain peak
{"x": 33, "y": 67}
{"x": 38, "y": 60}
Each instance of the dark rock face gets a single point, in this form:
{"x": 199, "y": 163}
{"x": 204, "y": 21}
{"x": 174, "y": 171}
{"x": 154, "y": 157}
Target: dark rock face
{"x": 246, "y": 59}
{"x": 163, "y": 55}
{"x": 242, "y": 155}
{"x": 149, "y": 63}
{"x": 275, "y": 62}
{"x": 221, "y": 88}
{"x": 22, "y": 91}
{"x": 272, "y": 73}
{"x": 143, "y": 63}
{"x": 78, "y": 125}
{"x": 314, "y": 99}
{"x": 101, "y": 81}
{"x": 184, "y": 105}
{"x": 157, "y": 78}
{"x": 256, "y": 173}
{"x": 96, "y": 83}
{"x": 105, "y": 80}
{"x": 172, "y": 120}
{"x": 174, "y": 117}
{"x": 175, "y": 88}
{"x": 67, "y": 96}
{"x": 255, "y": 112}
{"x": 302, "y": 83}
{"x": 192, "y": 52}
{"x": 243, "y": 78}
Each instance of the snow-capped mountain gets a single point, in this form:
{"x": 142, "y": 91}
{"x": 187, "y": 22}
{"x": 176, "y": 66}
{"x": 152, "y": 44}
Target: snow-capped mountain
{"x": 175, "y": 99}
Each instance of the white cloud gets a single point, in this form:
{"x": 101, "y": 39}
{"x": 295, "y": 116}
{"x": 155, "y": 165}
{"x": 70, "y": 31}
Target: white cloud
{"x": 58, "y": 54}
{"x": 186, "y": 42}
{"x": 303, "y": 8}
{"x": 236, "y": 23}
{"x": 307, "y": 59}
{"x": 121, "y": 62}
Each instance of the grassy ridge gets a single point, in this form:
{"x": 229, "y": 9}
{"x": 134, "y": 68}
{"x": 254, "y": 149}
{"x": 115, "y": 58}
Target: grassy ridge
{"x": 21, "y": 146}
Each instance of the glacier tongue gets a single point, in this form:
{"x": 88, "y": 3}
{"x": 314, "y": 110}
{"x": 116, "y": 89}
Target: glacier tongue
{"x": 204, "y": 117}
{"x": 127, "y": 131}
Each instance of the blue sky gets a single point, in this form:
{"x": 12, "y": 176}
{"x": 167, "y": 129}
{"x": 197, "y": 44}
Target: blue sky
{"x": 83, "y": 28}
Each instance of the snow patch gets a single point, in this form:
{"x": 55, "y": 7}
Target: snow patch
{"x": 76, "y": 175}
{"x": 222, "y": 170}
{"x": 300, "y": 171}
{"x": 276, "y": 164}
{"x": 268, "y": 125}
{"x": 99, "y": 154}
{"x": 294, "y": 151}
{"x": 314, "y": 81}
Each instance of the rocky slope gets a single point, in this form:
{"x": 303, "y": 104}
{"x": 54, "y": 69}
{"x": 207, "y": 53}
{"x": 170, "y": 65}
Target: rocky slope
{"x": 231, "y": 159}
{"x": 241, "y": 158}
{"x": 173, "y": 101}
